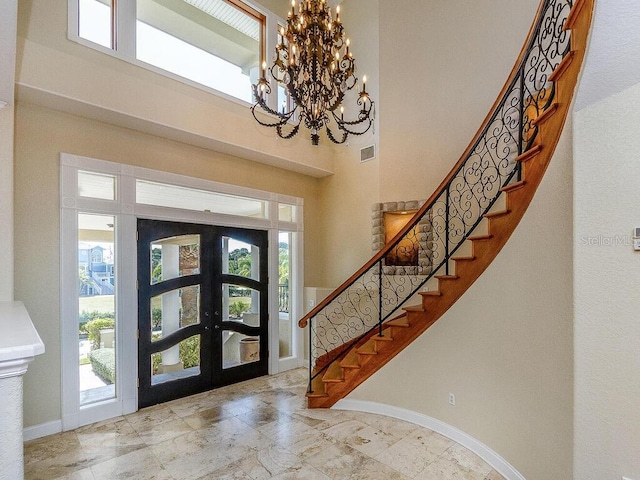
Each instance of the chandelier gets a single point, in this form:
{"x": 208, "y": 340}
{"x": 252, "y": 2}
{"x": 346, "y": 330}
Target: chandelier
{"x": 315, "y": 67}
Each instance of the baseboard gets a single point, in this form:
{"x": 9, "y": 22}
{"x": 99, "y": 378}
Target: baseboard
{"x": 42, "y": 430}
{"x": 503, "y": 467}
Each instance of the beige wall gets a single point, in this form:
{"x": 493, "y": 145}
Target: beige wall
{"x": 347, "y": 196}
{"x": 441, "y": 70}
{"x": 607, "y": 295}
{"x": 41, "y": 134}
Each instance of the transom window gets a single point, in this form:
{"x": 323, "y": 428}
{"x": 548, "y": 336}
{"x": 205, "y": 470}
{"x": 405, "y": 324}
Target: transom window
{"x": 215, "y": 43}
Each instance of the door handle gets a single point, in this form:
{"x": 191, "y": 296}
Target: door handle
{"x": 217, "y": 327}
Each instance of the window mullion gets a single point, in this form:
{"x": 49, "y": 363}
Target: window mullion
{"x": 125, "y": 27}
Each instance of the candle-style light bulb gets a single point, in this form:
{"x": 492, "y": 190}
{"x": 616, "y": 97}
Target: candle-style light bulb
{"x": 341, "y": 112}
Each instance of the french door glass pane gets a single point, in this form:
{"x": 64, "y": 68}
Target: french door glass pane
{"x": 96, "y": 307}
{"x": 238, "y": 349}
{"x": 174, "y": 310}
{"x": 180, "y": 361}
{"x": 94, "y": 21}
{"x": 175, "y": 257}
{"x": 240, "y": 258}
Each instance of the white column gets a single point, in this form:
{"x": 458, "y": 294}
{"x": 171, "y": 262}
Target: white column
{"x": 170, "y": 303}
{"x": 19, "y": 344}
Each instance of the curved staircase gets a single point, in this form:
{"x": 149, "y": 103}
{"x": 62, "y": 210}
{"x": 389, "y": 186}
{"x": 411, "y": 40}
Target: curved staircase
{"x": 463, "y": 226}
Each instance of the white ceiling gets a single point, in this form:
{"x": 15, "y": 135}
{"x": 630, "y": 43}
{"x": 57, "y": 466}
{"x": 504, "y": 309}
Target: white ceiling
{"x": 613, "y": 55}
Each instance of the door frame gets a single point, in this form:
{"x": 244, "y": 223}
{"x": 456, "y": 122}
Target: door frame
{"x": 211, "y": 324}
{"x": 126, "y": 211}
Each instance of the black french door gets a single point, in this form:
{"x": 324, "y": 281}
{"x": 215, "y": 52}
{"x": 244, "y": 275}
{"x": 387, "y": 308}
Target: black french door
{"x": 202, "y": 308}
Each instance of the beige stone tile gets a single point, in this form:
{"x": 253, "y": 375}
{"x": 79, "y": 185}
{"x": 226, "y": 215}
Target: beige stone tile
{"x": 164, "y": 431}
{"x": 206, "y": 418}
{"x": 252, "y": 430}
{"x": 311, "y": 443}
{"x": 207, "y": 460}
{"x": 149, "y": 417}
{"x": 285, "y": 430}
{"x": 467, "y": 460}
{"x": 413, "y": 453}
{"x": 54, "y": 457}
{"x": 268, "y": 462}
{"x": 138, "y": 465}
{"x": 51, "y": 446}
{"x": 391, "y": 426}
{"x": 261, "y": 416}
{"x": 493, "y": 475}
{"x": 180, "y": 446}
{"x": 370, "y": 441}
{"x": 341, "y": 461}
{"x": 301, "y": 472}
{"x": 84, "y": 474}
{"x": 228, "y": 472}
{"x": 448, "y": 469}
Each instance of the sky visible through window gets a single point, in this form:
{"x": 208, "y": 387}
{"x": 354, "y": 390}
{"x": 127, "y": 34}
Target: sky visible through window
{"x": 167, "y": 52}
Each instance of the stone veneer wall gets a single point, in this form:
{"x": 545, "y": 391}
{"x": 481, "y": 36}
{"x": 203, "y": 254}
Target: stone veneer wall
{"x": 425, "y": 237}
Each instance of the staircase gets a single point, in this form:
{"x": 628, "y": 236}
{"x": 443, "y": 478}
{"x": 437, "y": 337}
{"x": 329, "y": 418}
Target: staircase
{"x": 463, "y": 226}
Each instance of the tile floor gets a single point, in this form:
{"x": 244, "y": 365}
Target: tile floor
{"x": 252, "y": 430}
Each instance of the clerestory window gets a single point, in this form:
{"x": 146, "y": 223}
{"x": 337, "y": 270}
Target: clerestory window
{"x": 215, "y": 43}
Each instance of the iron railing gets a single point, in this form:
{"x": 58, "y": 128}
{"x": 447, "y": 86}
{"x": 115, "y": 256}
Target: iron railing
{"x": 436, "y": 232}
{"x": 283, "y": 298}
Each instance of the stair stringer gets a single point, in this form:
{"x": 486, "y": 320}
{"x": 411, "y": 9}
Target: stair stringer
{"x": 368, "y": 355}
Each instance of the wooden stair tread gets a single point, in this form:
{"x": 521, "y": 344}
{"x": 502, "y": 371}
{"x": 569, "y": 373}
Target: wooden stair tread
{"x": 529, "y": 154}
{"x": 413, "y": 308}
{"x": 334, "y": 374}
{"x": 574, "y": 14}
{"x": 447, "y": 277}
{"x": 562, "y": 67}
{"x": 500, "y": 213}
{"x": 464, "y": 258}
{"x": 318, "y": 388}
{"x": 386, "y": 336}
{"x": 479, "y": 238}
{"x": 351, "y": 360}
{"x": 548, "y": 113}
{"x": 431, "y": 293}
{"x": 402, "y": 322}
{"x": 513, "y": 186}
{"x": 369, "y": 348}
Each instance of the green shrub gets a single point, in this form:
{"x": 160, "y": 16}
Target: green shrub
{"x": 236, "y": 309}
{"x": 103, "y": 363}
{"x": 93, "y": 328}
{"x": 189, "y": 353}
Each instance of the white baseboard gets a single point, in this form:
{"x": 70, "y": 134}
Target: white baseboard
{"x": 503, "y": 467}
{"x": 42, "y": 430}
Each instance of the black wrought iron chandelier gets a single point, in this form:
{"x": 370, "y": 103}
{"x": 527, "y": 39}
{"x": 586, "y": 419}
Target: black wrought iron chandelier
{"x": 313, "y": 63}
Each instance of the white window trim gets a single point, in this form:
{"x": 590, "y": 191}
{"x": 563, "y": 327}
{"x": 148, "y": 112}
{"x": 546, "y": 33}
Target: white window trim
{"x": 126, "y": 44}
{"x": 126, "y": 212}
